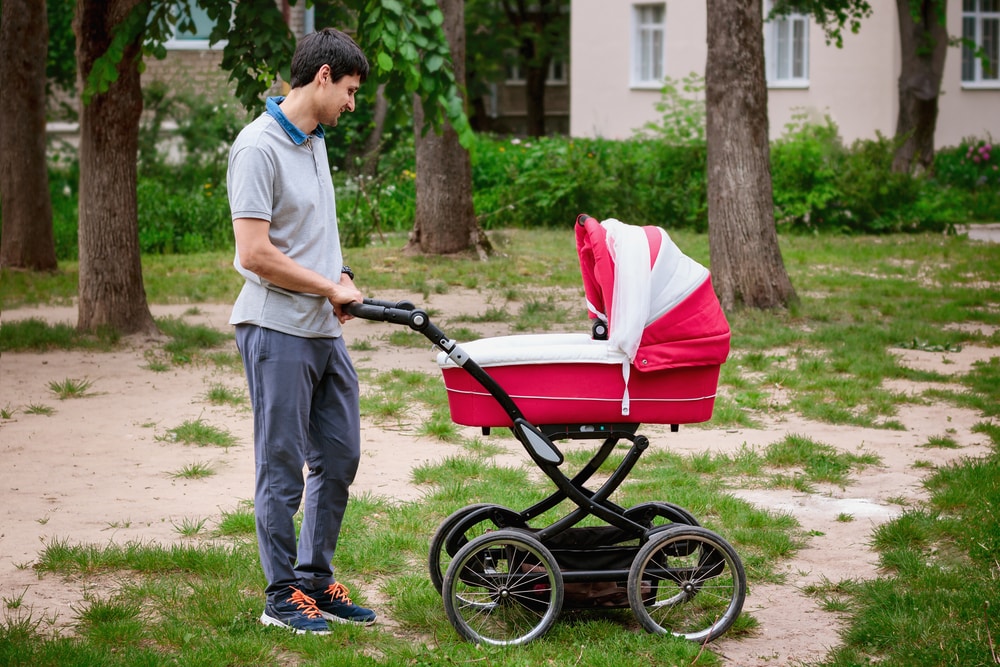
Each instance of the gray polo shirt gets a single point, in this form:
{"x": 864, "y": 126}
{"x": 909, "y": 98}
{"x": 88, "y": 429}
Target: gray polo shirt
{"x": 279, "y": 174}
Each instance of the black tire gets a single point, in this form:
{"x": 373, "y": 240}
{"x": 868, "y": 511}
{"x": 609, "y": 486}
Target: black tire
{"x": 687, "y": 581}
{"x": 503, "y": 588}
{"x": 472, "y": 523}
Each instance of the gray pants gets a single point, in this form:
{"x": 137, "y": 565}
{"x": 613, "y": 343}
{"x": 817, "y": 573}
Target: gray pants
{"x": 304, "y": 394}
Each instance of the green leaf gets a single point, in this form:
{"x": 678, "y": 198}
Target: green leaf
{"x": 434, "y": 63}
{"x": 393, "y": 6}
{"x": 384, "y": 62}
{"x": 409, "y": 52}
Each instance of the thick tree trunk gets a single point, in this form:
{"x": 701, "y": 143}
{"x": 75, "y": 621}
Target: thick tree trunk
{"x": 923, "y": 40}
{"x": 27, "y": 239}
{"x": 111, "y": 289}
{"x": 747, "y": 268}
{"x": 445, "y": 219}
{"x": 534, "y": 88}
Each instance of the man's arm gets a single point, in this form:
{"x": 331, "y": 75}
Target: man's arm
{"x": 259, "y": 255}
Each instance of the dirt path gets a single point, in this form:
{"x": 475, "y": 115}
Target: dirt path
{"x": 100, "y": 469}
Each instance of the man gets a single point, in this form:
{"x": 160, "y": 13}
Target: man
{"x": 288, "y": 317}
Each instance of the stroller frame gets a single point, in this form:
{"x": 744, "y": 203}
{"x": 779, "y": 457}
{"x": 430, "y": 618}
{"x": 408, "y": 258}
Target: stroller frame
{"x": 505, "y": 583}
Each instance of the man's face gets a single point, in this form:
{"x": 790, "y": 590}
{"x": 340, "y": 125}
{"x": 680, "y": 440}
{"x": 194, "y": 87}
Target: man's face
{"x": 338, "y": 97}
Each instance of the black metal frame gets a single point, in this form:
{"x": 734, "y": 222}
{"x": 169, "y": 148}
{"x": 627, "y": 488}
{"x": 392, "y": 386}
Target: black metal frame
{"x": 538, "y": 442}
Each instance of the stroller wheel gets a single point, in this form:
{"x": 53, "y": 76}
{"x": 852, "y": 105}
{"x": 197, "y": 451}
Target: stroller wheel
{"x": 658, "y": 513}
{"x": 687, "y": 581}
{"x": 503, "y": 588}
{"x": 460, "y": 528}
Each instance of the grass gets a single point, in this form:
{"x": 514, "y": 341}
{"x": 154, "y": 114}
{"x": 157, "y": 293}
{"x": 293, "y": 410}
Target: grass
{"x": 198, "y": 432}
{"x": 220, "y": 394}
{"x": 864, "y": 301}
{"x": 193, "y": 471}
{"x": 70, "y": 388}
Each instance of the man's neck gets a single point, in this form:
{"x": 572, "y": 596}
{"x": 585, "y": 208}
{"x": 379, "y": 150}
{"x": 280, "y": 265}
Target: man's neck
{"x": 298, "y": 110}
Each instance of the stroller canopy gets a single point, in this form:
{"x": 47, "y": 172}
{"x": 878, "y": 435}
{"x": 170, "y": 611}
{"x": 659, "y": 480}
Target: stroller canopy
{"x": 658, "y": 303}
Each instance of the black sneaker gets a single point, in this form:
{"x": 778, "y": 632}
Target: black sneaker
{"x": 333, "y": 603}
{"x": 297, "y": 613}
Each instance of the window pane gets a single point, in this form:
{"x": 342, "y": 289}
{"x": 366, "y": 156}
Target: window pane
{"x": 202, "y": 24}
{"x": 991, "y": 45}
{"x": 798, "y": 50}
{"x": 968, "y": 57}
{"x": 781, "y": 48}
{"x": 655, "y": 56}
{"x": 990, "y": 6}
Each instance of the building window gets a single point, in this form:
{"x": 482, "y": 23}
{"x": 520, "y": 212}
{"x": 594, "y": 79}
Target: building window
{"x": 556, "y": 74}
{"x": 196, "y": 38}
{"x": 649, "y": 45}
{"x": 981, "y": 32}
{"x": 786, "y": 48}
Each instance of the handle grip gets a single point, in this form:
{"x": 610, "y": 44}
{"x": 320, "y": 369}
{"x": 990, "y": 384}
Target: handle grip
{"x": 396, "y": 312}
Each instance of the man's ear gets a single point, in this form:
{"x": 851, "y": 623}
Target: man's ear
{"x": 323, "y": 74}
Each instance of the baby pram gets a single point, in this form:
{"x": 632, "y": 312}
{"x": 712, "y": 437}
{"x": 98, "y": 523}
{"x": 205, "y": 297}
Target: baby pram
{"x": 657, "y": 342}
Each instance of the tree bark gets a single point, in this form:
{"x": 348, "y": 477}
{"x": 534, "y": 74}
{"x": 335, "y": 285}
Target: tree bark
{"x": 445, "y": 220}
{"x": 747, "y": 268}
{"x": 111, "y": 292}
{"x": 923, "y": 41}
{"x": 27, "y": 239}
{"x": 534, "y": 88}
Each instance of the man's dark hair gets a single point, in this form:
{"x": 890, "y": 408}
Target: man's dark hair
{"x": 328, "y": 46}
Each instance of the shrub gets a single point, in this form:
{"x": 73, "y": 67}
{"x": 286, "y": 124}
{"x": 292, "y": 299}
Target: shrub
{"x": 972, "y": 168}
{"x": 182, "y": 219}
{"x": 549, "y": 181}
{"x": 804, "y": 166}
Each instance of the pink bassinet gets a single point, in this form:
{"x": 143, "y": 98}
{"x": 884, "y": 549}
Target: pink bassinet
{"x": 663, "y": 322}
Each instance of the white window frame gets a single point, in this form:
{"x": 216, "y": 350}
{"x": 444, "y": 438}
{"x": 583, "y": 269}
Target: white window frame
{"x": 786, "y": 48}
{"x": 649, "y": 45}
{"x": 980, "y": 24}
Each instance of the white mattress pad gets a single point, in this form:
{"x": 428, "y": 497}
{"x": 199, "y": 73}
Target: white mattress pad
{"x": 536, "y": 349}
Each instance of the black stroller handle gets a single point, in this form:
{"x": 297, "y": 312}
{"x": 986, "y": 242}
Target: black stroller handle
{"x": 396, "y": 312}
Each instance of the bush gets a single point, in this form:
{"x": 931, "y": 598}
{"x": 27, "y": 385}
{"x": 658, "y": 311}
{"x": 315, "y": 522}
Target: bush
{"x": 819, "y": 184}
{"x": 804, "y": 165}
{"x": 549, "y": 181}
{"x": 181, "y": 219}
{"x": 972, "y": 168}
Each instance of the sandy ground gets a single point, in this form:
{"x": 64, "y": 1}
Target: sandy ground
{"x": 99, "y": 468}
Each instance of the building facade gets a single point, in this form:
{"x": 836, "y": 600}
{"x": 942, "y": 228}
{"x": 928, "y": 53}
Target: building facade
{"x": 621, "y": 52}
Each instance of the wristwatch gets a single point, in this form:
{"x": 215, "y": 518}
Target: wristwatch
{"x": 347, "y": 270}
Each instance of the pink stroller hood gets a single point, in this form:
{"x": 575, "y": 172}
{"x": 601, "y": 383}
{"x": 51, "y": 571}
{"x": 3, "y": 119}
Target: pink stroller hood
{"x": 658, "y": 303}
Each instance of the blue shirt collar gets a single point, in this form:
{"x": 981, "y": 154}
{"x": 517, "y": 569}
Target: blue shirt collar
{"x": 294, "y": 133}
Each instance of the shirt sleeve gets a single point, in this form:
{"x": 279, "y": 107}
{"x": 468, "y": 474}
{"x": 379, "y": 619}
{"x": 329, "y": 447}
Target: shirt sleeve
{"x": 251, "y": 183}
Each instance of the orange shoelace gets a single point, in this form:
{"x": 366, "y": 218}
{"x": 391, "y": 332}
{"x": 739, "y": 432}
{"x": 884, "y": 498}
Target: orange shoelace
{"x": 306, "y": 604}
{"x": 338, "y": 591}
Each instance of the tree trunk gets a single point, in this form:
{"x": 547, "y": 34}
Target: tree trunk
{"x": 27, "y": 240}
{"x": 923, "y": 41}
{"x": 747, "y": 268}
{"x": 111, "y": 289}
{"x": 445, "y": 219}
{"x": 534, "y": 89}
